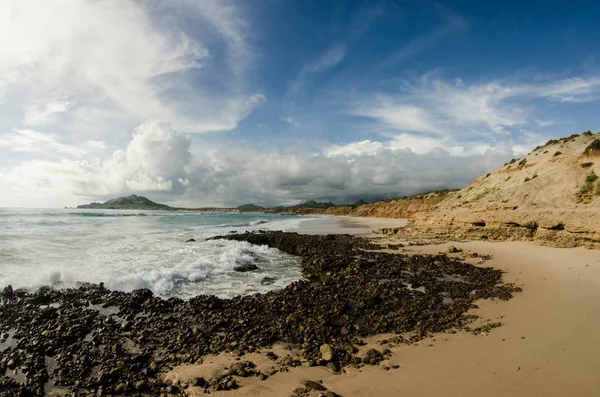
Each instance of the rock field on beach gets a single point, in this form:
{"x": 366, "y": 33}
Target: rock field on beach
{"x": 91, "y": 340}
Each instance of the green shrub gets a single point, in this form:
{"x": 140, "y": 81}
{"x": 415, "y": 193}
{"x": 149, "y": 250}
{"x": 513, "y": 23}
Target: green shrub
{"x": 557, "y": 153}
{"x": 507, "y": 179}
{"x": 591, "y": 178}
{"x": 533, "y": 177}
{"x": 522, "y": 162}
{"x": 593, "y": 147}
{"x": 586, "y": 188}
{"x": 587, "y": 165}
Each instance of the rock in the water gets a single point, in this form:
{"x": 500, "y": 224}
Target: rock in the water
{"x": 8, "y": 292}
{"x": 326, "y": 352}
{"x": 247, "y": 267}
{"x": 191, "y": 240}
{"x": 267, "y": 280}
{"x": 142, "y": 293}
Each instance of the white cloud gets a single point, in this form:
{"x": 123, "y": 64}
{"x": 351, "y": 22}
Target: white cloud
{"x": 119, "y": 61}
{"x": 455, "y": 115}
{"x": 45, "y": 114}
{"x": 44, "y": 144}
{"x": 399, "y": 116}
{"x": 292, "y": 121}
{"x": 576, "y": 89}
{"x": 158, "y": 161}
{"x": 326, "y": 61}
{"x": 451, "y": 23}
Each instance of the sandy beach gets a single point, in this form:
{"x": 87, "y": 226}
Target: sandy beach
{"x": 348, "y": 224}
{"x": 548, "y": 344}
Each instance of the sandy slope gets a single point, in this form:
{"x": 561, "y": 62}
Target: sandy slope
{"x": 538, "y": 198}
{"x": 548, "y": 345}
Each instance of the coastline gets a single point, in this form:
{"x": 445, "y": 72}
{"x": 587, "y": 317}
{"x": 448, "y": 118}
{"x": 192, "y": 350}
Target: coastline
{"x": 547, "y": 345}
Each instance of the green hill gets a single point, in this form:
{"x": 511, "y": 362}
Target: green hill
{"x": 313, "y": 204}
{"x": 250, "y": 207}
{"x": 132, "y": 202}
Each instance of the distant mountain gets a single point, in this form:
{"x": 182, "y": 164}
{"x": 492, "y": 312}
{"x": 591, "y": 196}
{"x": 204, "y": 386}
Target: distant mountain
{"x": 313, "y": 204}
{"x": 132, "y": 202}
{"x": 359, "y": 202}
{"x": 250, "y": 207}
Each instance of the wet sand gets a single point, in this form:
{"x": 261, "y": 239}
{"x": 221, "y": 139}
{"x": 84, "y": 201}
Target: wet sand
{"x": 548, "y": 345}
{"x": 347, "y": 225}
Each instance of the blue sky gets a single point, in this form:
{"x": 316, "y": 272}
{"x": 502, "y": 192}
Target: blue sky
{"x": 224, "y": 102}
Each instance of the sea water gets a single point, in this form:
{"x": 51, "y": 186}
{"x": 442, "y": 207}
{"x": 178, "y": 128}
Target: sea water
{"x": 142, "y": 249}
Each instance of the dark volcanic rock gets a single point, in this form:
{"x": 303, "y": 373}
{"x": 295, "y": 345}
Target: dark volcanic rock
{"x": 247, "y": 267}
{"x": 267, "y": 280}
{"x": 8, "y": 292}
{"x": 89, "y": 340}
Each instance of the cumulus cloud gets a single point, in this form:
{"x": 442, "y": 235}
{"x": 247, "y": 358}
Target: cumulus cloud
{"x": 92, "y": 64}
{"x": 158, "y": 162}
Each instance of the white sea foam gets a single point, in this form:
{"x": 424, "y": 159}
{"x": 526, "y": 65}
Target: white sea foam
{"x": 128, "y": 250}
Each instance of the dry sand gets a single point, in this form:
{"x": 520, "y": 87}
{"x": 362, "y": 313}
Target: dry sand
{"x": 548, "y": 345}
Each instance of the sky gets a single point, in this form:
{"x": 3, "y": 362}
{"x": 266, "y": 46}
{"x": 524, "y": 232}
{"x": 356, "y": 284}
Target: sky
{"x": 221, "y": 103}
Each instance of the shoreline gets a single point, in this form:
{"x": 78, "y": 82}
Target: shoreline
{"x": 547, "y": 344}
{"x": 349, "y": 293}
{"x": 341, "y": 224}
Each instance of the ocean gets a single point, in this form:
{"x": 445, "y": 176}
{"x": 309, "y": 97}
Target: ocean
{"x": 127, "y": 250}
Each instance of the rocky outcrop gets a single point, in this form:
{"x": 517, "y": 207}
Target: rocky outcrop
{"x": 125, "y": 342}
{"x": 551, "y": 196}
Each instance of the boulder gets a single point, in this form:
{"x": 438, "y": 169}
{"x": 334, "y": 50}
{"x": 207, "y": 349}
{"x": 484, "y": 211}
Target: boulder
{"x": 326, "y": 352}
{"x": 267, "y": 280}
{"x": 247, "y": 267}
{"x": 8, "y": 292}
{"x": 312, "y": 385}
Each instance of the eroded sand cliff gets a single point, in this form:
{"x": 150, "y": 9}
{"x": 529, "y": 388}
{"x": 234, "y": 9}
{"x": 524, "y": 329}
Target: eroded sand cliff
{"x": 551, "y": 196}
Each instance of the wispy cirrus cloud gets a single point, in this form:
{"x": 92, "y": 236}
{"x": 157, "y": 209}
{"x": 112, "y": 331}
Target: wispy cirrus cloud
{"x": 326, "y": 61}
{"x": 106, "y": 64}
{"x": 45, "y": 144}
{"x": 432, "y": 112}
{"x": 451, "y": 23}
